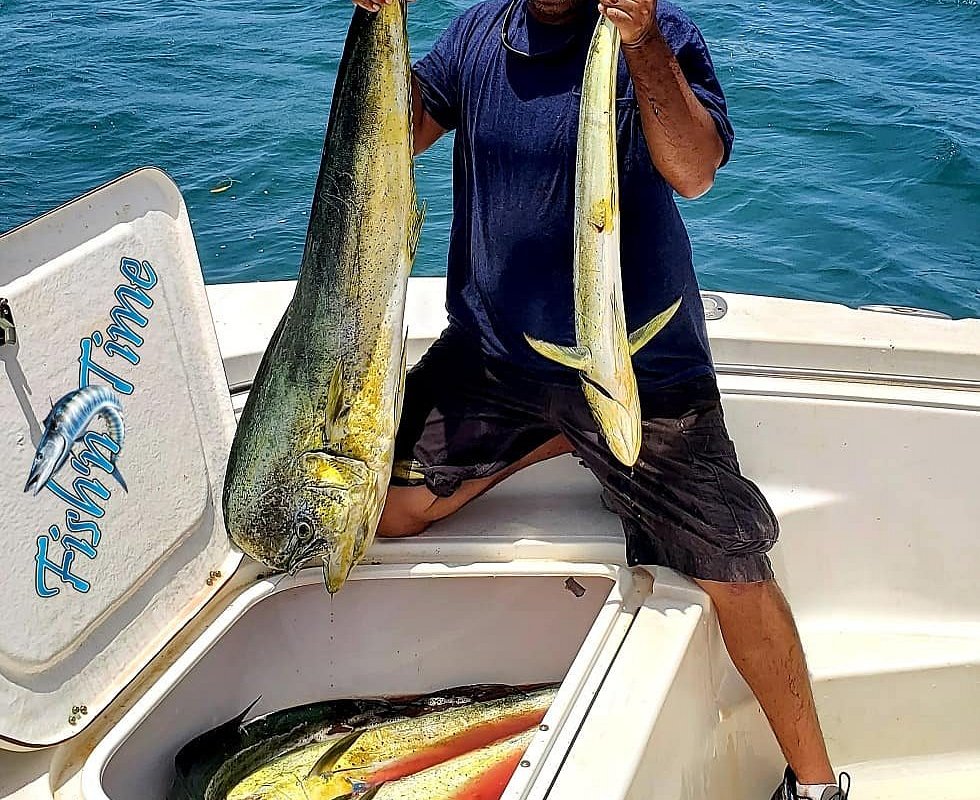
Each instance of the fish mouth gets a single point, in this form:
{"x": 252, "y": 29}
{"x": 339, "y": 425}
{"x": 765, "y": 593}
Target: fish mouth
{"x": 337, "y": 565}
{"x": 619, "y": 427}
{"x": 41, "y": 472}
{"x": 52, "y": 452}
{"x": 299, "y": 557}
{"x": 34, "y": 482}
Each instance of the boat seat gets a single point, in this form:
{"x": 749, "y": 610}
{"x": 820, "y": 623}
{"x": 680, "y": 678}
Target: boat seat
{"x": 548, "y": 511}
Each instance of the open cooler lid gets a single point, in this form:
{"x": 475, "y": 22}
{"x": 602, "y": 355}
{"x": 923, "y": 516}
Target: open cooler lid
{"x": 106, "y": 291}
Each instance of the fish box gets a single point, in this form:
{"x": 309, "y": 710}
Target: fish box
{"x": 137, "y": 623}
{"x": 391, "y": 630}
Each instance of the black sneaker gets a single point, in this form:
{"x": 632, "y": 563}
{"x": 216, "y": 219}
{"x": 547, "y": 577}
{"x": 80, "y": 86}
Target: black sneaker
{"x": 787, "y": 789}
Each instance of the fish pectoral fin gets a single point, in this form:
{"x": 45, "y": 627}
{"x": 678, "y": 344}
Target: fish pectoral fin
{"x": 365, "y": 795}
{"x": 644, "y": 334}
{"x": 601, "y": 215}
{"x": 577, "y": 357}
{"x": 329, "y": 759}
{"x": 416, "y": 229}
{"x": 336, "y": 409}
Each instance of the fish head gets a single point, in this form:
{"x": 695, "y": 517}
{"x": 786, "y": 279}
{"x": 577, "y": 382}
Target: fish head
{"x": 319, "y": 509}
{"x": 333, "y": 511}
{"x": 51, "y": 453}
{"x": 619, "y": 421}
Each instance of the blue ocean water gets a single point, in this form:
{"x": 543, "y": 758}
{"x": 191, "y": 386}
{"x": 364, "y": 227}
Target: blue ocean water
{"x": 855, "y": 176}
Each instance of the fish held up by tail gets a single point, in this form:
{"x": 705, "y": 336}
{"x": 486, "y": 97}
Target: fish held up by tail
{"x": 309, "y": 467}
{"x": 603, "y": 349}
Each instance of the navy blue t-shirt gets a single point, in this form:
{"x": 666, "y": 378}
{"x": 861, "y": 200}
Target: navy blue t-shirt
{"x": 510, "y": 250}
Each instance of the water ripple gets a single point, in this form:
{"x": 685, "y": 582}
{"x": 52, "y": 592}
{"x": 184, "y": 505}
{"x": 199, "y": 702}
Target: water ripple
{"x": 855, "y": 176}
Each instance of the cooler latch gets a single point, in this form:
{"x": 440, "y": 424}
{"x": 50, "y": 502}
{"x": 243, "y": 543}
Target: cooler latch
{"x": 8, "y": 333}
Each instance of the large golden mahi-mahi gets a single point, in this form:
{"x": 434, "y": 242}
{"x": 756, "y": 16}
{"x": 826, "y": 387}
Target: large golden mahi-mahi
{"x": 603, "y": 349}
{"x": 310, "y": 463}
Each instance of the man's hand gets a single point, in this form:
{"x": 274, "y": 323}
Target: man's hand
{"x": 372, "y": 5}
{"x": 636, "y": 19}
{"x": 681, "y": 136}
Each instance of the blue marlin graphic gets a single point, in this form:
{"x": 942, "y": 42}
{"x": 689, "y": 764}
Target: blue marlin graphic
{"x": 66, "y": 423}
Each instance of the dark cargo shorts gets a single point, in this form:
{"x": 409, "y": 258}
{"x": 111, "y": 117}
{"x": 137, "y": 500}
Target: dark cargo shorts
{"x": 684, "y": 505}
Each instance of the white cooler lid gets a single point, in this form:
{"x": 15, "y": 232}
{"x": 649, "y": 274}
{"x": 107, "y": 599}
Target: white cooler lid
{"x": 76, "y": 639}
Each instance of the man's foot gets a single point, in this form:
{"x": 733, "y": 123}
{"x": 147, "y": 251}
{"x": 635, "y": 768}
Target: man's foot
{"x": 789, "y": 789}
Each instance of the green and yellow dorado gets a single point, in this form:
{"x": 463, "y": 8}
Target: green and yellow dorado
{"x": 311, "y": 460}
{"x": 603, "y": 349}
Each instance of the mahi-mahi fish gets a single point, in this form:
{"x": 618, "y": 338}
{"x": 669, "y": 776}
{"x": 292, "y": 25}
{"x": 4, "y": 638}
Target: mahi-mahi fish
{"x": 419, "y": 736}
{"x": 240, "y": 759}
{"x": 67, "y": 423}
{"x": 312, "y": 456}
{"x": 603, "y": 349}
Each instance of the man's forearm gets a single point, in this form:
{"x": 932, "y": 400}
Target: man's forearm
{"x": 681, "y": 135}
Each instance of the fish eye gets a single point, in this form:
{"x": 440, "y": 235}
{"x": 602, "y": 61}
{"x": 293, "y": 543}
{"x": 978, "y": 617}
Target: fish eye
{"x": 304, "y": 531}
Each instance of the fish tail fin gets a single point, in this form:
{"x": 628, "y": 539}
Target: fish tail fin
{"x": 415, "y": 230}
{"x": 329, "y": 759}
{"x": 645, "y": 333}
{"x": 119, "y": 477}
{"x": 576, "y": 357}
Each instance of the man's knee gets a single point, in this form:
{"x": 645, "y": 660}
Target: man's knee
{"x": 406, "y": 511}
{"x": 392, "y": 527}
{"x": 722, "y": 593}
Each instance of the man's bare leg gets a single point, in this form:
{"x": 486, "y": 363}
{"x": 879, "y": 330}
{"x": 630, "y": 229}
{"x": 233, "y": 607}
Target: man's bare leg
{"x": 761, "y": 636}
{"x": 409, "y": 510}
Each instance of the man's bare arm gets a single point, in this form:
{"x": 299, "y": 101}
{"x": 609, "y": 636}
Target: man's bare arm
{"x": 425, "y": 130}
{"x": 681, "y": 135}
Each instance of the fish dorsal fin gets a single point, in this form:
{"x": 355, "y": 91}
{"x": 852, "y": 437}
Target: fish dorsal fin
{"x": 329, "y": 759}
{"x": 576, "y": 357}
{"x": 400, "y": 390}
{"x": 644, "y": 334}
{"x": 416, "y": 229}
{"x": 241, "y": 717}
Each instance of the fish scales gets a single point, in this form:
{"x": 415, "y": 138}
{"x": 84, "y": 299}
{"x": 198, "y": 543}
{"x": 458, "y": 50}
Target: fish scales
{"x": 482, "y": 774}
{"x": 311, "y": 460}
{"x": 394, "y": 750}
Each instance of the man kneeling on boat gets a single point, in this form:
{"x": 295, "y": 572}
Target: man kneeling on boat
{"x": 481, "y": 404}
